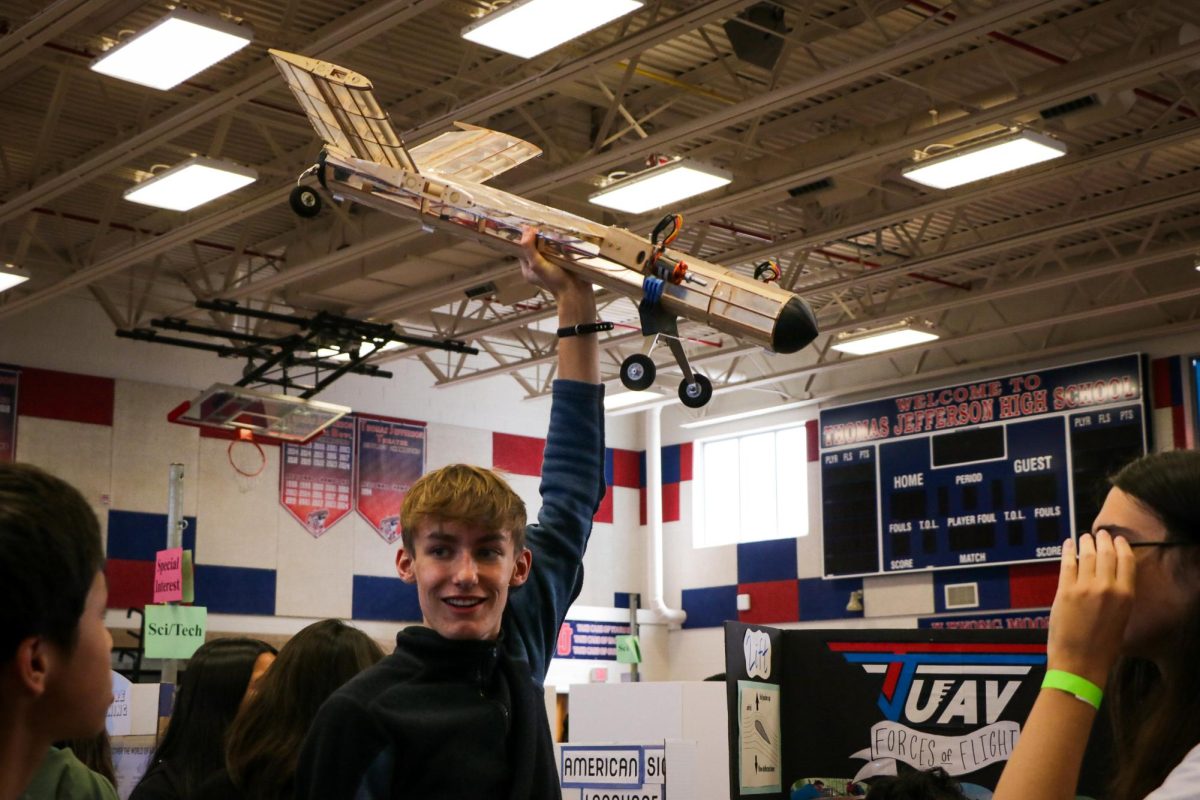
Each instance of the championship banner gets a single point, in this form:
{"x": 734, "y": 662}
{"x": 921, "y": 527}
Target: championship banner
{"x": 391, "y": 456}
{"x": 315, "y": 479}
{"x": 853, "y": 705}
{"x": 9, "y": 379}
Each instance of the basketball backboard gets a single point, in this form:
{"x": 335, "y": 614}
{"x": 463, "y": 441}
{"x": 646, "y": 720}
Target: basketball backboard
{"x": 269, "y": 417}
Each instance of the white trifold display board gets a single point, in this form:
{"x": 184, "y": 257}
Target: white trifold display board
{"x": 646, "y": 741}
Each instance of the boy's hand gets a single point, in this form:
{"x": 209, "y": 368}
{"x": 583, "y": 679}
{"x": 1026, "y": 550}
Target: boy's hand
{"x": 540, "y": 272}
{"x": 578, "y": 356}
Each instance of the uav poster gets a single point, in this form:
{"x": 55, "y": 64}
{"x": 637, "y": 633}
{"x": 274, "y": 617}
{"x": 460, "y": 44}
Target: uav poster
{"x": 858, "y": 704}
{"x": 8, "y": 415}
{"x": 315, "y": 479}
{"x": 391, "y": 456}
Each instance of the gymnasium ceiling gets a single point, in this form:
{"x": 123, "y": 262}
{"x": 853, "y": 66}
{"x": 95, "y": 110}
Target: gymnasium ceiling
{"x": 1088, "y": 251}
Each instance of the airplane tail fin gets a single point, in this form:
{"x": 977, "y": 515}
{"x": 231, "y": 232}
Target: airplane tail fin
{"x": 342, "y": 108}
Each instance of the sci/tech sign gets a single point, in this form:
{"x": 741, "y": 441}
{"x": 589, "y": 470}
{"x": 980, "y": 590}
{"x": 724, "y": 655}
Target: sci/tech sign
{"x": 944, "y": 688}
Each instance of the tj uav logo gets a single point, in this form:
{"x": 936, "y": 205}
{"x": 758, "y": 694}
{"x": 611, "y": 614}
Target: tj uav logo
{"x": 757, "y": 645}
{"x": 939, "y": 685}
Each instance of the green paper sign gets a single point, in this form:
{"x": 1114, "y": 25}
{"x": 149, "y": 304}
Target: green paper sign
{"x": 628, "y": 650}
{"x": 174, "y": 631}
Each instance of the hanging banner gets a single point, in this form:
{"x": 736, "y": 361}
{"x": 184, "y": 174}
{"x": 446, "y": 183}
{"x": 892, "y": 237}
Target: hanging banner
{"x": 391, "y": 456}
{"x": 590, "y": 639}
{"x": 9, "y": 378}
{"x": 315, "y": 479}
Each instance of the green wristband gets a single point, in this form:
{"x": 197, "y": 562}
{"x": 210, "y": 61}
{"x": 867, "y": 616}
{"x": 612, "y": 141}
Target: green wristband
{"x": 1082, "y": 688}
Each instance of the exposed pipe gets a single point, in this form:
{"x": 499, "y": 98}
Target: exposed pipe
{"x": 654, "y": 559}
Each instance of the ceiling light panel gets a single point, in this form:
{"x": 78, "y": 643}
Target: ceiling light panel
{"x": 974, "y": 163}
{"x": 173, "y": 49}
{"x": 527, "y": 28}
{"x": 892, "y": 337}
{"x": 660, "y": 186}
{"x": 192, "y": 183}
{"x": 11, "y": 275}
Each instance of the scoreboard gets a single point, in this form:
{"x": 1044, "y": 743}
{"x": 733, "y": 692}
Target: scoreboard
{"x": 992, "y": 472}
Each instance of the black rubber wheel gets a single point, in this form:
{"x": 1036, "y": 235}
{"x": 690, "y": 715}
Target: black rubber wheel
{"x": 697, "y": 392}
{"x": 637, "y": 372}
{"x": 305, "y": 202}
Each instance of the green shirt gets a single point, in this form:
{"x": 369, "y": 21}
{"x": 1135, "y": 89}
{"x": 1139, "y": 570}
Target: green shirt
{"x": 62, "y": 776}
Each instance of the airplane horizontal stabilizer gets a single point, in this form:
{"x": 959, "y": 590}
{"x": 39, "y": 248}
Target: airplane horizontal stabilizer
{"x": 343, "y": 109}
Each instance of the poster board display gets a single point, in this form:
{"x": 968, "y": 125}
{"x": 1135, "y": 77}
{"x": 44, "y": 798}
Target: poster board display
{"x": 9, "y": 383}
{"x": 863, "y": 703}
{"x": 391, "y": 456}
{"x": 996, "y": 471}
{"x": 316, "y": 479}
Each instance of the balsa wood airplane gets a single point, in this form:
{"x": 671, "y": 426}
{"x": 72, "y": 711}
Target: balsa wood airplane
{"x": 441, "y": 183}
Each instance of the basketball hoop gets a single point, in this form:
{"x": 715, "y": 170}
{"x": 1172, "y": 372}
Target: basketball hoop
{"x": 248, "y": 460}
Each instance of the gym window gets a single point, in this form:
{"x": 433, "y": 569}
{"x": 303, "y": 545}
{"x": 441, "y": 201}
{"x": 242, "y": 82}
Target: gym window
{"x": 751, "y": 487}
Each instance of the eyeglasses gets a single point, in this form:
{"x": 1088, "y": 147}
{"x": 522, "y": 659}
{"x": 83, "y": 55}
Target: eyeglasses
{"x": 1173, "y": 543}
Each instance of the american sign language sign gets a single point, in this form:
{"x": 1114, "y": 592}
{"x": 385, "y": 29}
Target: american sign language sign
{"x": 391, "y": 456}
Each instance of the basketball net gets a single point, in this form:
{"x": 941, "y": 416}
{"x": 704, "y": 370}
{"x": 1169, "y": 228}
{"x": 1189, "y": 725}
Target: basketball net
{"x": 248, "y": 460}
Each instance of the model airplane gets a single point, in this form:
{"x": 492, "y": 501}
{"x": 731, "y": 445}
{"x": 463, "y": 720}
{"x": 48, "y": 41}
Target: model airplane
{"x": 441, "y": 183}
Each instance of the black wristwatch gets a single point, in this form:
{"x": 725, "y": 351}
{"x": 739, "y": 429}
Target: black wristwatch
{"x": 584, "y": 328}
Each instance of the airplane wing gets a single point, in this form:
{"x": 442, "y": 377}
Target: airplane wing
{"x": 472, "y": 153}
{"x": 343, "y": 109}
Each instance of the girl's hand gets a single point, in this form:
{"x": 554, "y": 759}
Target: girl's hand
{"x": 1091, "y": 606}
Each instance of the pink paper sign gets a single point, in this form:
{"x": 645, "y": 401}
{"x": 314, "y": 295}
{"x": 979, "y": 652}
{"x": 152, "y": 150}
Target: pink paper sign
{"x": 168, "y": 575}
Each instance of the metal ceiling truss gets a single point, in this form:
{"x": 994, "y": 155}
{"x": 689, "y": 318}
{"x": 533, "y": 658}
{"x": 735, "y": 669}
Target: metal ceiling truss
{"x": 870, "y": 250}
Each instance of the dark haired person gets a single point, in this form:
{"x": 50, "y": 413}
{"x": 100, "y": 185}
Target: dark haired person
{"x": 220, "y": 676}
{"x": 55, "y": 665}
{"x": 916, "y": 784}
{"x": 95, "y": 753}
{"x": 264, "y": 741}
{"x": 1126, "y": 614}
{"x": 457, "y": 710}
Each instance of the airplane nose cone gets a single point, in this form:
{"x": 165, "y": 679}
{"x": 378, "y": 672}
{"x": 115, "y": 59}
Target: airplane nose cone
{"x": 795, "y": 328}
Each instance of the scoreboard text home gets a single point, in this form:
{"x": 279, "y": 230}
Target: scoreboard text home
{"x": 990, "y": 472}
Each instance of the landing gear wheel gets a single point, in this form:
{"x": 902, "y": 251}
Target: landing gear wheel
{"x": 637, "y": 372}
{"x": 697, "y": 392}
{"x": 305, "y": 202}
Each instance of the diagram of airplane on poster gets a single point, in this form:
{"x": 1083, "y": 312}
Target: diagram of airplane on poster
{"x": 759, "y": 755}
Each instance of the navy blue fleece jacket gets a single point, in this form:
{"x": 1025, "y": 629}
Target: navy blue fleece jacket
{"x": 465, "y": 719}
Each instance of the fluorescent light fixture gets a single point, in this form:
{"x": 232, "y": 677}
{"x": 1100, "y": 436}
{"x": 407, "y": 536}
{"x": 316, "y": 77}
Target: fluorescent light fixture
{"x": 190, "y": 184}
{"x": 11, "y": 275}
{"x": 660, "y": 185}
{"x": 890, "y": 337}
{"x": 173, "y": 49}
{"x": 976, "y": 162}
{"x": 757, "y": 412}
{"x": 625, "y": 399}
{"x": 526, "y": 28}
{"x": 335, "y": 354}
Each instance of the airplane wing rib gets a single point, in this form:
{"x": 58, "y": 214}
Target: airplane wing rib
{"x": 343, "y": 109}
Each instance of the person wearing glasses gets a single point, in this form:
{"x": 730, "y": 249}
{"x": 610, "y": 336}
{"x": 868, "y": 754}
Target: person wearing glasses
{"x": 1126, "y": 616}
